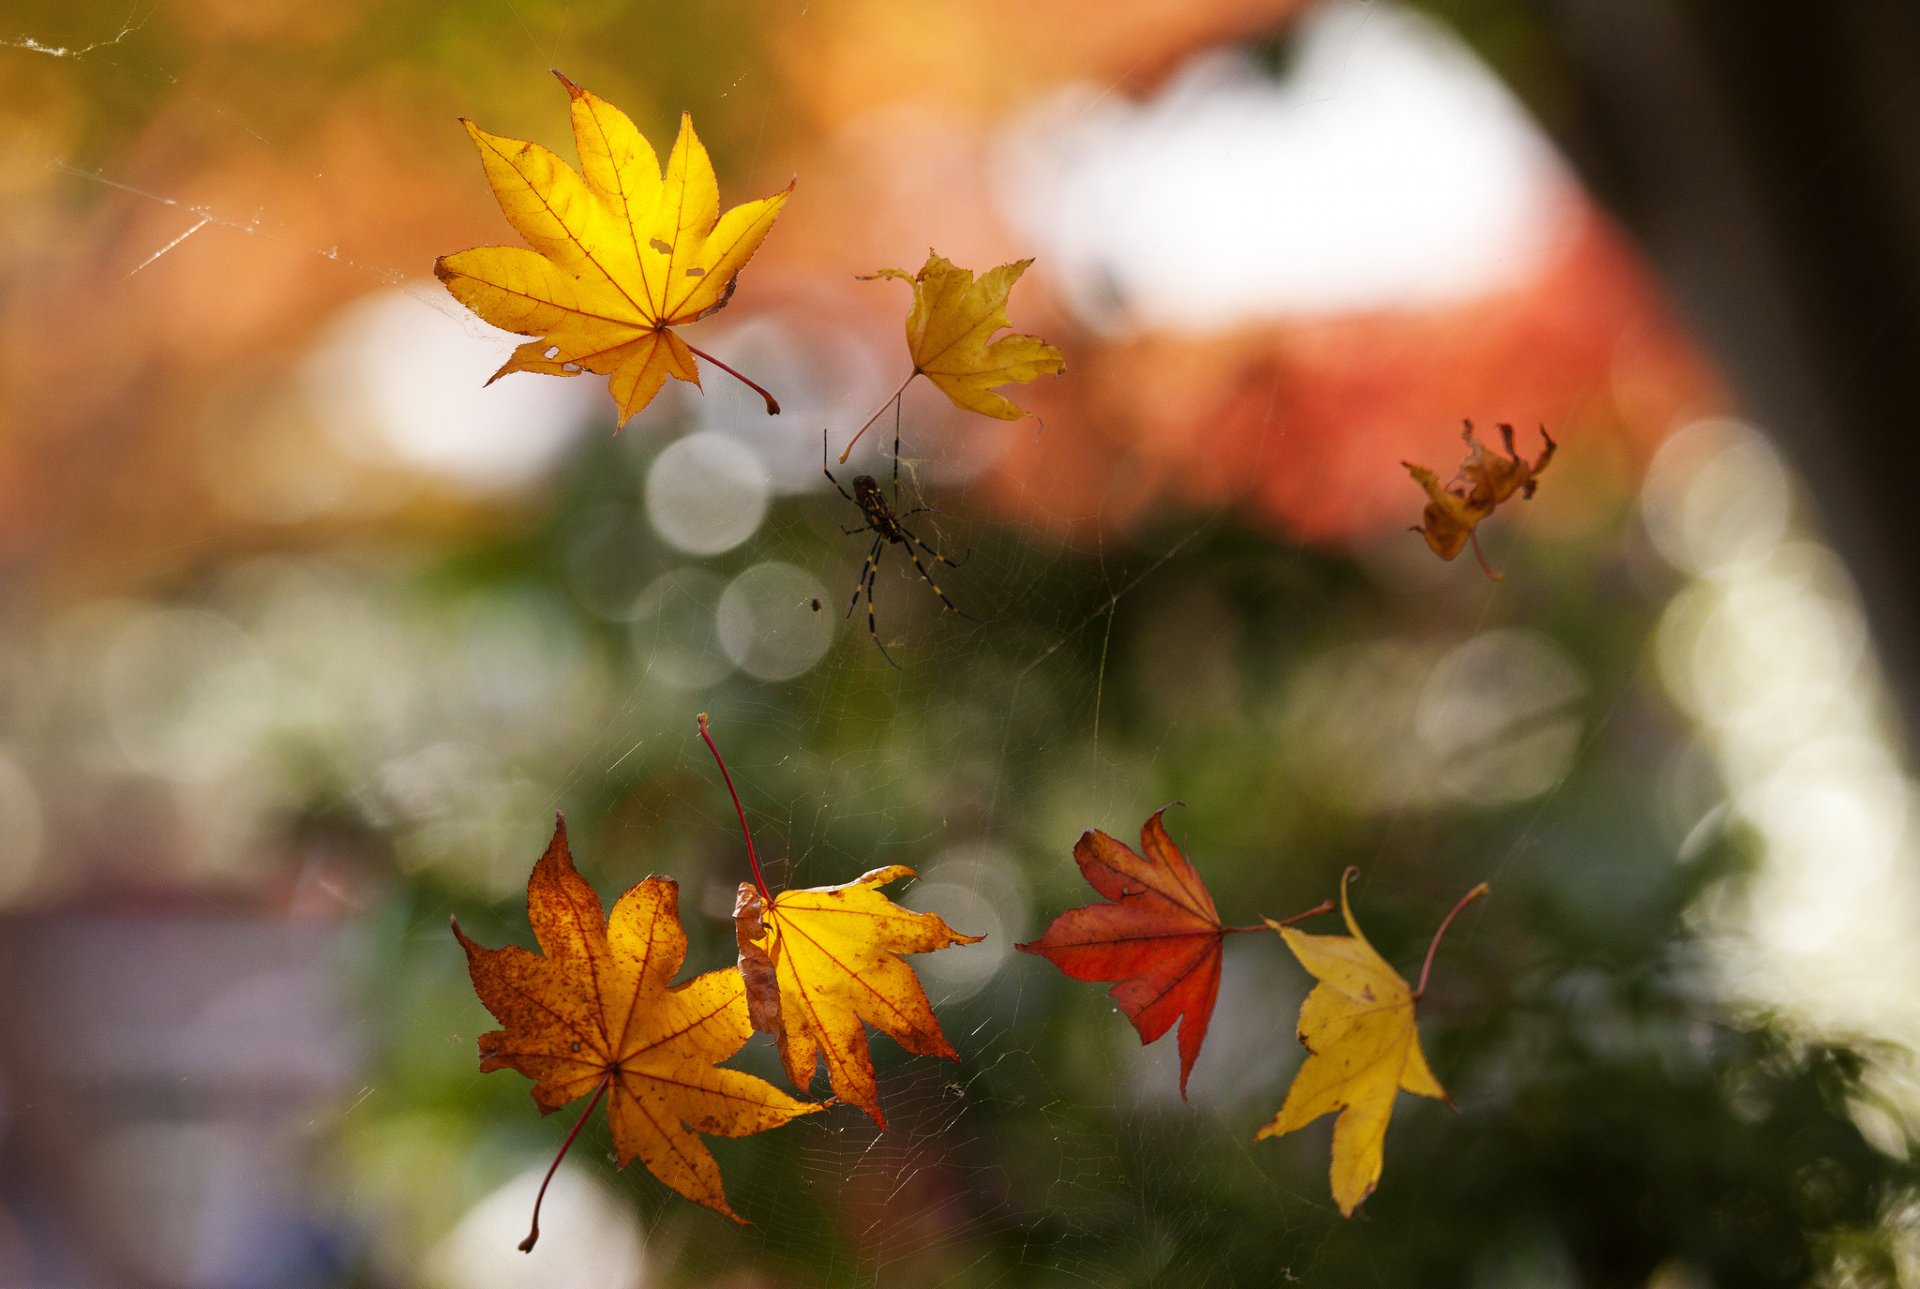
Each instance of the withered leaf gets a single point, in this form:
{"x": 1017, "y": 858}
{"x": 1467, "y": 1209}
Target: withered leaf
{"x": 1454, "y": 509}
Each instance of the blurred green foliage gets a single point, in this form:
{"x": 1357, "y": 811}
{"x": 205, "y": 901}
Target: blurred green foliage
{"x": 1616, "y": 1125}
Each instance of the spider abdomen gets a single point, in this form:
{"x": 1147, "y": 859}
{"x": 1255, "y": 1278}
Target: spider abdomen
{"x": 879, "y": 515}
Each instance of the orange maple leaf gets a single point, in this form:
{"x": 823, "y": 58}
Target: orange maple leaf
{"x": 950, "y": 336}
{"x": 1363, "y": 1049}
{"x": 1454, "y": 509}
{"x": 621, "y": 254}
{"x": 821, "y": 964}
{"x": 593, "y": 1013}
{"x": 1160, "y": 938}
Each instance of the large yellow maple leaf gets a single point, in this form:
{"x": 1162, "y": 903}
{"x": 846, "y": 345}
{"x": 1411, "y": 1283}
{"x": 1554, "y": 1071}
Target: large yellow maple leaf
{"x": 821, "y": 964}
{"x": 1357, "y": 1025}
{"x": 593, "y": 1012}
{"x": 621, "y": 254}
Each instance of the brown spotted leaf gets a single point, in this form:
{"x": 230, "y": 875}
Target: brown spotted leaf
{"x": 594, "y": 1010}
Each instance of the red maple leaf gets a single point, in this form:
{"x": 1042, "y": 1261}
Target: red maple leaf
{"x": 1159, "y": 938}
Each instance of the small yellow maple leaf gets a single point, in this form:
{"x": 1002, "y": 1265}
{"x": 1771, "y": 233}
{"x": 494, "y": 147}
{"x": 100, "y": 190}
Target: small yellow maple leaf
{"x": 950, "y": 331}
{"x": 822, "y": 963}
{"x": 1454, "y": 509}
{"x": 1357, "y": 1025}
{"x": 621, "y": 253}
{"x": 593, "y": 1013}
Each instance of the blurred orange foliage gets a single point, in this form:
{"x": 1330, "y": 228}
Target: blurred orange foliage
{"x": 176, "y": 242}
{"x": 1297, "y": 421}
{"x": 1303, "y": 421}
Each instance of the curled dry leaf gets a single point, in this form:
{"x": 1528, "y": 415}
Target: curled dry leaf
{"x": 1455, "y": 509}
{"x": 1357, "y": 1025}
{"x": 593, "y": 1013}
{"x": 622, "y": 254}
{"x": 1160, "y": 938}
{"x": 822, "y": 963}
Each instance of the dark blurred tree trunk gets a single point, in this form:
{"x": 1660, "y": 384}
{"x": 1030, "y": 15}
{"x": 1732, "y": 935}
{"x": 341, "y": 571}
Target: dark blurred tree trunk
{"x": 1768, "y": 159}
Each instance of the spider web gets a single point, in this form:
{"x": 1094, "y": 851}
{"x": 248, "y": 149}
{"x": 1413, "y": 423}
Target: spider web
{"x": 385, "y": 724}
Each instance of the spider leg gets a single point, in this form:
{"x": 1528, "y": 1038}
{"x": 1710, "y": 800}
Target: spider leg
{"x": 928, "y": 578}
{"x": 873, "y": 631}
{"x": 896, "y": 453}
{"x": 950, "y": 563}
{"x": 928, "y": 510}
{"x": 866, "y": 575}
{"x": 830, "y": 479}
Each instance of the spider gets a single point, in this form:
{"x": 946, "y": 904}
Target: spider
{"x": 887, "y": 523}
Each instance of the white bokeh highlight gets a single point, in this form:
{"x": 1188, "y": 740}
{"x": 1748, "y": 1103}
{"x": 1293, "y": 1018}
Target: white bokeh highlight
{"x": 707, "y": 493}
{"x": 1501, "y": 716}
{"x": 1767, "y": 649}
{"x": 401, "y": 377}
{"x": 589, "y": 1235}
{"x": 768, "y": 625}
{"x": 1494, "y": 719}
{"x": 1388, "y": 169}
{"x": 1716, "y": 495}
{"x": 977, "y": 889}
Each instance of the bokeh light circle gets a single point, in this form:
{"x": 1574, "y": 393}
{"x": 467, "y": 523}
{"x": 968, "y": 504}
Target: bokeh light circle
{"x": 672, "y": 636}
{"x": 1717, "y": 495}
{"x": 767, "y": 622}
{"x": 1500, "y": 716}
{"x": 707, "y": 493}
{"x": 400, "y": 376}
{"x": 186, "y": 693}
{"x": 978, "y": 889}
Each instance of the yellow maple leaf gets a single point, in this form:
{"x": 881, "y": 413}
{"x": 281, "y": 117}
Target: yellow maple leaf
{"x": 593, "y": 1012}
{"x": 621, "y": 253}
{"x": 1357, "y": 1025}
{"x": 820, "y": 964}
{"x": 1454, "y": 509}
{"x": 950, "y": 331}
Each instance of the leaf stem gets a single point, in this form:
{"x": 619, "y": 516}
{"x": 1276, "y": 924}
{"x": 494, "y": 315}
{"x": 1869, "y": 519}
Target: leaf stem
{"x": 1324, "y": 906}
{"x": 1473, "y": 540}
{"x": 1427, "y": 966}
{"x": 877, "y": 413}
{"x": 773, "y": 404}
{"x": 600, "y": 1090}
{"x": 753, "y": 856}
